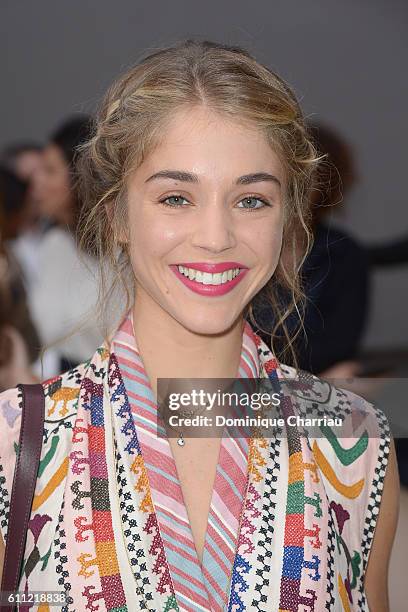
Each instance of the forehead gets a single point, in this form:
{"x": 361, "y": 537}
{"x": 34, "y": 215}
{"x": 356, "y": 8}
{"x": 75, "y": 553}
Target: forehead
{"x": 201, "y": 139}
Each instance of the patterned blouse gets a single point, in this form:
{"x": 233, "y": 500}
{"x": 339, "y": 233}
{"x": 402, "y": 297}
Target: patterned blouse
{"x": 291, "y": 520}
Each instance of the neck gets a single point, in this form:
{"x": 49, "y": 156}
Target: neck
{"x": 169, "y": 350}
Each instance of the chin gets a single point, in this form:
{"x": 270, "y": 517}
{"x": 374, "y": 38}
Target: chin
{"x": 209, "y": 324}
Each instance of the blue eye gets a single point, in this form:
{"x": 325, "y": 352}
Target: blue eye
{"x": 251, "y": 202}
{"x": 176, "y": 204}
{"x": 251, "y": 205}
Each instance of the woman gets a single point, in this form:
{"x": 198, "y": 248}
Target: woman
{"x": 25, "y": 161}
{"x": 19, "y": 343}
{"x": 199, "y": 167}
{"x": 65, "y": 290}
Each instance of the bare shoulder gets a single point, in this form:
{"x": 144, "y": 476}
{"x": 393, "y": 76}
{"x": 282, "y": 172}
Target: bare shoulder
{"x": 376, "y": 577}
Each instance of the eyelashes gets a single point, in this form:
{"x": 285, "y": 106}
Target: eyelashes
{"x": 178, "y": 196}
{"x": 255, "y": 197}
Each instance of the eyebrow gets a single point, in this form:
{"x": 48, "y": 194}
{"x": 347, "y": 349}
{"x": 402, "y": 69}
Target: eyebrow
{"x": 188, "y": 177}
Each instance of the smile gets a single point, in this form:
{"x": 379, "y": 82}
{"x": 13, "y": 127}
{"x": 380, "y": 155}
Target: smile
{"x": 210, "y": 279}
{"x": 206, "y": 278}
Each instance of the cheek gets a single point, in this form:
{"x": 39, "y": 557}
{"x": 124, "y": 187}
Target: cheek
{"x": 267, "y": 244}
{"x": 151, "y": 239}
{"x": 276, "y": 243}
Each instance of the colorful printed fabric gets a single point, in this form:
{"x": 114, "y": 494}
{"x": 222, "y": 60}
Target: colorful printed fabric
{"x": 197, "y": 586}
{"x": 292, "y": 517}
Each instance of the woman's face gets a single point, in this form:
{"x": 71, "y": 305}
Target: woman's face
{"x": 52, "y": 186}
{"x": 208, "y": 201}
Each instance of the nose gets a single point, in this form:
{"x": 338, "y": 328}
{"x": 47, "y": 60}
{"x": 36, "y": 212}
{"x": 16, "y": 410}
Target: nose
{"x": 213, "y": 228}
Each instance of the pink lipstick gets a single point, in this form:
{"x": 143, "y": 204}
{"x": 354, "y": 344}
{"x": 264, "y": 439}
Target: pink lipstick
{"x": 210, "y": 279}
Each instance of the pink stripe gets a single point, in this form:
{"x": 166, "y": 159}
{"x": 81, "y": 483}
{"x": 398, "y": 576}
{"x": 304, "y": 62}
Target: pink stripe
{"x": 148, "y": 428}
{"x": 181, "y": 587}
{"x": 136, "y": 378}
{"x": 216, "y": 587}
{"x": 227, "y": 495}
{"x": 250, "y": 343}
{"x": 214, "y": 553}
{"x": 218, "y": 539}
{"x": 230, "y": 521}
{"x": 232, "y": 469}
{"x": 192, "y": 595}
{"x": 250, "y": 354}
{"x": 177, "y": 529}
{"x": 240, "y": 458}
{"x": 174, "y": 517}
{"x": 226, "y": 501}
{"x": 226, "y": 504}
{"x": 164, "y": 462}
{"x": 169, "y": 505}
{"x": 157, "y": 443}
{"x": 187, "y": 577}
{"x": 244, "y": 366}
{"x": 242, "y": 450}
{"x": 131, "y": 364}
{"x": 128, "y": 325}
{"x": 229, "y": 554}
{"x": 238, "y": 447}
{"x": 142, "y": 411}
{"x": 169, "y": 488}
{"x": 125, "y": 339}
{"x": 141, "y": 399}
{"x": 167, "y": 528}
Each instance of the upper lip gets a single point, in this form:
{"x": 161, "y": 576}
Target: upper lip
{"x": 212, "y": 267}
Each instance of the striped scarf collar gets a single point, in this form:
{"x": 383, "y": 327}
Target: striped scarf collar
{"x": 204, "y": 584}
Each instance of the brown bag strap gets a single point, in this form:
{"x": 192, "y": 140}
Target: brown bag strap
{"x": 25, "y": 478}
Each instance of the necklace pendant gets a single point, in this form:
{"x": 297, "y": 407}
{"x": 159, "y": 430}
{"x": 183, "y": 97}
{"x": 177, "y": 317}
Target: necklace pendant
{"x": 181, "y": 441}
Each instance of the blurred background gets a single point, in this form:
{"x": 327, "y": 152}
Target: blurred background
{"x": 346, "y": 62}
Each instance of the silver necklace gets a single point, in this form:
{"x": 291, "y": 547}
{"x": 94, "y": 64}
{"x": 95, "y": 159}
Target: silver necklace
{"x": 184, "y": 413}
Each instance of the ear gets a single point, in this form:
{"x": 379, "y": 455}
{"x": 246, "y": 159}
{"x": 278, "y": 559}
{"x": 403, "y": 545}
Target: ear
{"x": 119, "y": 231}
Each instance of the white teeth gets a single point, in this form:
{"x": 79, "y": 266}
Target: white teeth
{"x": 206, "y": 278}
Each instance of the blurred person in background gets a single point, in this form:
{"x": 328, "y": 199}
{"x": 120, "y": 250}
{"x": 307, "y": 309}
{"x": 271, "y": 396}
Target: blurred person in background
{"x": 335, "y": 274}
{"x": 387, "y": 255}
{"x": 66, "y": 273}
{"x": 54, "y": 185}
{"x": 392, "y": 253}
{"x": 24, "y": 159}
{"x": 19, "y": 342}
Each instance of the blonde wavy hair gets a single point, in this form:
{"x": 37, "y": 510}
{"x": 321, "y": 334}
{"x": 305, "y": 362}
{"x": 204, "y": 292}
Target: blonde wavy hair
{"x": 133, "y": 115}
